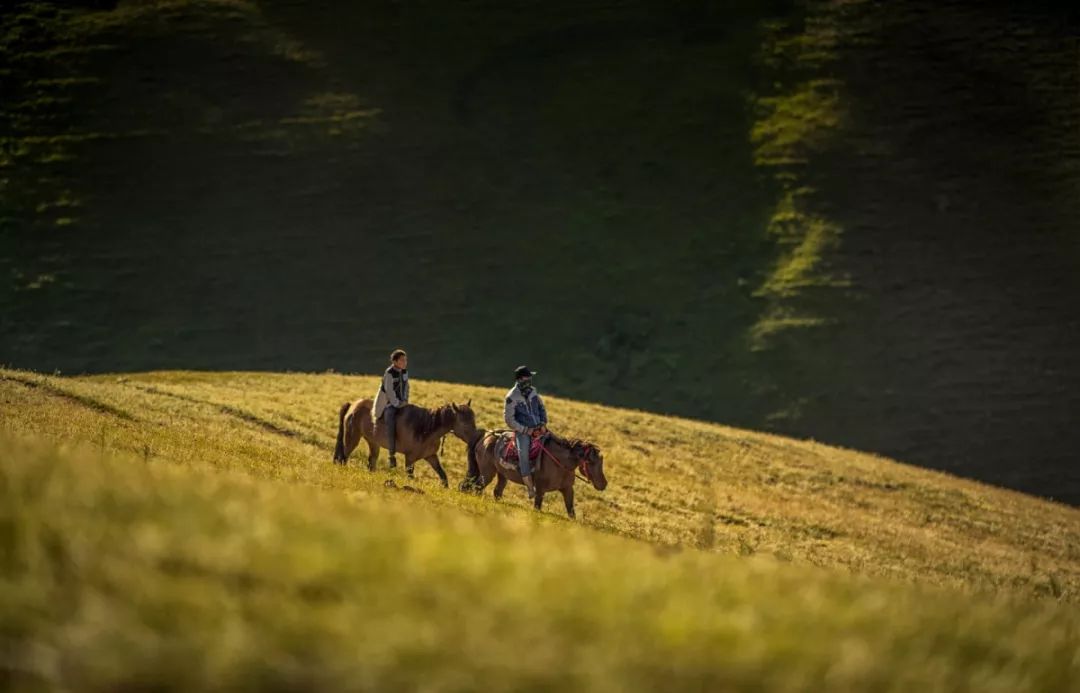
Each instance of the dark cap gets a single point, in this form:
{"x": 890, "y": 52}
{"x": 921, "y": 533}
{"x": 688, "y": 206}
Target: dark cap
{"x": 523, "y": 372}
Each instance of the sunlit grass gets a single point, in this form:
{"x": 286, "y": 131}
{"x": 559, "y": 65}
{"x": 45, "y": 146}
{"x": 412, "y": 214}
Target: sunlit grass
{"x": 674, "y": 482}
{"x": 132, "y": 572}
{"x": 796, "y": 122}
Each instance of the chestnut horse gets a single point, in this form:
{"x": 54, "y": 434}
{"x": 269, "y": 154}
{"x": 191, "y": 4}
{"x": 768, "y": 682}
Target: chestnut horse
{"x": 419, "y": 432}
{"x": 559, "y": 460}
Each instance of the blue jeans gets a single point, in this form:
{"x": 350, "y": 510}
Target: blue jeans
{"x": 390, "y": 417}
{"x": 523, "y": 440}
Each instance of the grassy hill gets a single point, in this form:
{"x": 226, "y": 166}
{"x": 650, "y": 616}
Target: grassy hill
{"x": 680, "y": 482}
{"x": 179, "y": 530}
{"x": 846, "y": 220}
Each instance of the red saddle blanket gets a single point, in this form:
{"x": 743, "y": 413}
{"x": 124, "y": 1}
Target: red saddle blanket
{"x": 509, "y": 452}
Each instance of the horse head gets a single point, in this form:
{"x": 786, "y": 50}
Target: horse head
{"x": 589, "y": 461}
{"x": 464, "y": 421}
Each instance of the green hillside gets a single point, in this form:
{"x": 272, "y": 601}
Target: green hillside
{"x": 847, "y": 220}
{"x": 182, "y": 530}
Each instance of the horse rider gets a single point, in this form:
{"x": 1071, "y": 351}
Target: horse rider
{"x": 393, "y": 395}
{"x": 526, "y": 415}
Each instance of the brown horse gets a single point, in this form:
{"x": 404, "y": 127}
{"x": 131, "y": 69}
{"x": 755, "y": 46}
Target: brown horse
{"x": 559, "y": 461}
{"x": 419, "y": 432}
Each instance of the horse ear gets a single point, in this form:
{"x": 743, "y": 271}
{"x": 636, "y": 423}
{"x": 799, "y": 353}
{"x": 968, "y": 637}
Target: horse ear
{"x": 469, "y": 403}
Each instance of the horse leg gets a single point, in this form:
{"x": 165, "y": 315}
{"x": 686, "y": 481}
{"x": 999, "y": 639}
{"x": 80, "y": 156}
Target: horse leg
{"x": 568, "y": 498}
{"x": 475, "y": 480}
{"x": 485, "y": 475}
{"x": 538, "y": 502}
{"x": 487, "y": 471}
{"x": 437, "y": 466}
{"x": 500, "y": 486}
{"x": 373, "y": 454}
{"x": 480, "y": 483}
{"x": 410, "y": 466}
{"x": 474, "y": 484}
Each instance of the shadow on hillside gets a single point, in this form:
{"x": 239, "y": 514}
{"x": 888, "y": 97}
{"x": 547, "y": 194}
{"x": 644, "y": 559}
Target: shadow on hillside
{"x": 937, "y": 316}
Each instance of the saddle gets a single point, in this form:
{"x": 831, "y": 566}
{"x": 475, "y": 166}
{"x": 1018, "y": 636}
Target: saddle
{"x": 507, "y": 453}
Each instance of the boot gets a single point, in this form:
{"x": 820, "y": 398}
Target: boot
{"x": 529, "y": 486}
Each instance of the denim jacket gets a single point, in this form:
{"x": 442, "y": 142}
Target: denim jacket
{"x": 522, "y": 412}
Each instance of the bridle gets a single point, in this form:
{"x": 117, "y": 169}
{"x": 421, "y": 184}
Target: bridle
{"x": 583, "y": 461}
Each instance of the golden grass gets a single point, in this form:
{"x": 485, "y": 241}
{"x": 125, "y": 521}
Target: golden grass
{"x": 186, "y": 531}
{"x": 674, "y": 482}
{"x": 129, "y": 574}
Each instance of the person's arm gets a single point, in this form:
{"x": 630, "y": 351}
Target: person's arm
{"x": 543, "y": 410}
{"x": 388, "y": 386}
{"x": 508, "y": 417}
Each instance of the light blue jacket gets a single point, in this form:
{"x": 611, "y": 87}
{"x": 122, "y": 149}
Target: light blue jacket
{"x": 522, "y": 412}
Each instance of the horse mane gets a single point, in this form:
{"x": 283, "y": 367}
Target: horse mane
{"x": 427, "y": 422}
{"x": 573, "y": 444}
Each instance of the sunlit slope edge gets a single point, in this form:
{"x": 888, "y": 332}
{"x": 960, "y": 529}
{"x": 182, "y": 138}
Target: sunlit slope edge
{"x": 673, "y": 482}
{"x": 132, "y": 574}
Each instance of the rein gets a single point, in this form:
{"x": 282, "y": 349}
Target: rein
{"x": 583, "y": 465}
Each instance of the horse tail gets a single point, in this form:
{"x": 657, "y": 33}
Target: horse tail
{"x": 339, "y": 449}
